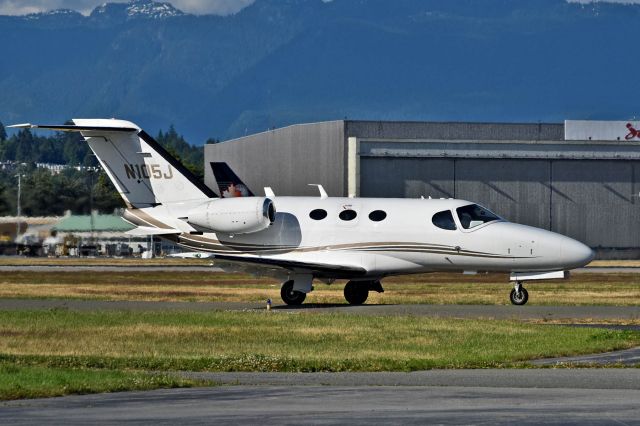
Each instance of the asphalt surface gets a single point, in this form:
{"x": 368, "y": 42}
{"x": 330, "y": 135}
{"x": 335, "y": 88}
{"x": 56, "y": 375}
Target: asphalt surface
{"x": 440, "y": 397}
{"x": 629, "y": 357}
{"x": 529, "y": 312}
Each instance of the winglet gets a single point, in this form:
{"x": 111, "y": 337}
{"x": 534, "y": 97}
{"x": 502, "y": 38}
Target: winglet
{"x": 192, "y": 255}
{"x": 146, "y": 230}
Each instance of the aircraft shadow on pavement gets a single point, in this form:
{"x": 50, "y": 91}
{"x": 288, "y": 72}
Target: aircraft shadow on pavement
{"x": 310, "y": 306}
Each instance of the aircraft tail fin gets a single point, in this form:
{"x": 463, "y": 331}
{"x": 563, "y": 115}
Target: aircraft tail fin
{"x": 143, "y": 172}
{"x": 229, "y": 184}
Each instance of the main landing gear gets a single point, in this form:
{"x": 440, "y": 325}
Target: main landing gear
{"x": 291, "y": 296}
{"x": 356, "y": 292}
{"x": 519, "y": 294}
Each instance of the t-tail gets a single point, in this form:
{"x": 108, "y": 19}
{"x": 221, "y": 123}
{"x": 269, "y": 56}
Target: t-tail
{"x": 143, "y": 172}
{"x": 229, "y": 184}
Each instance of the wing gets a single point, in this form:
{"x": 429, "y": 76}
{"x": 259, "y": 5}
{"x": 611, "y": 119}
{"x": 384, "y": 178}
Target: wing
{"x": 142, "y": 231}
{"x": 240, "y": 263}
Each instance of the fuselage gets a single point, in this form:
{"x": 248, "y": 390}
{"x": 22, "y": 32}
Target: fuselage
{"x": 389, "y": 236}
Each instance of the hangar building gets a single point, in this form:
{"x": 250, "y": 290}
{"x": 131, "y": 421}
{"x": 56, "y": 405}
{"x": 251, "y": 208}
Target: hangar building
{"x": 579, "y": 178}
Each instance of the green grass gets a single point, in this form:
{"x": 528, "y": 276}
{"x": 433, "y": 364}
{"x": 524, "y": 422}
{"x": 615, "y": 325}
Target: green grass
{"x": 278, "y": 341}
{"x": 20, "y": 381}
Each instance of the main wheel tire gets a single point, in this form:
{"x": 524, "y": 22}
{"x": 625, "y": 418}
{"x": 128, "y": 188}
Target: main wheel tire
{"x": 521, "y": 298}
{"x": 291, "y": 296}
{"x": 356, "y": 293}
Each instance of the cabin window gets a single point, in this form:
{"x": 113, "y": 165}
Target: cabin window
{"x": 474, "y": 215}
{"x": 444, "y": 220}
{"x": 318, "y": 214}
{"x": 377, "y": 216}
{"x": 348, "y": 215}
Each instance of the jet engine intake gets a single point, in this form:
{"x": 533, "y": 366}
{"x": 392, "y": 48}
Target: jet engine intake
{"x": 241, "y": 215}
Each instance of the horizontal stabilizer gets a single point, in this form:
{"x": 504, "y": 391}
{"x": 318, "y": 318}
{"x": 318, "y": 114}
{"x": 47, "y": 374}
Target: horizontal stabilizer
{"x": 147, "y": 230}
{"x": 73, "y": 128}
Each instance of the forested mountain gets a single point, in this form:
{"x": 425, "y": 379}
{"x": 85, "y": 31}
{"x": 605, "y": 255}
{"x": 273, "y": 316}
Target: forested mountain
{"x": 278, "y": 62}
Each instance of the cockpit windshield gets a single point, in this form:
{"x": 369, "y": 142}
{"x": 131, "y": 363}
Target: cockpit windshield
{"x": 474, "y": 215}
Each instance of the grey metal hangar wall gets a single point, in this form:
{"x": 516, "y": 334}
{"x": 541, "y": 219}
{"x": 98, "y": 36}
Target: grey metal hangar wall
{"x": 527, "y": 173}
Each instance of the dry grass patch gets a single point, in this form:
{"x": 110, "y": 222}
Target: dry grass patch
{"x": 618, "y": 289}
{"x": 615, "y": 263}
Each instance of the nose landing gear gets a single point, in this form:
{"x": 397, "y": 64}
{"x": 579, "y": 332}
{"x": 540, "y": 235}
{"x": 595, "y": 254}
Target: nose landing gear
{"x": 519, "y": 295}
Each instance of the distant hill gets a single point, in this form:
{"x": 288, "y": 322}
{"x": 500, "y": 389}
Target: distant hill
{"x": 279, "y": 62}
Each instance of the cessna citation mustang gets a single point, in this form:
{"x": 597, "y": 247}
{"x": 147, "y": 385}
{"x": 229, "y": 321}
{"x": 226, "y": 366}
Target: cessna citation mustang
{"x": 299, "y": 239}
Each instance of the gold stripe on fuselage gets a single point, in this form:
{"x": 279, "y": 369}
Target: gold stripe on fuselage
{"x": 211, "y": 245}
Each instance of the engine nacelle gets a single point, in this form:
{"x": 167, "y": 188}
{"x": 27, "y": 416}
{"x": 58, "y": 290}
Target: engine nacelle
{"x": 233, "y": 215}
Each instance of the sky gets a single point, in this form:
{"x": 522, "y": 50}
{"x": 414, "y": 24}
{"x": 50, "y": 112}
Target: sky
{"x": 198, "y": 7}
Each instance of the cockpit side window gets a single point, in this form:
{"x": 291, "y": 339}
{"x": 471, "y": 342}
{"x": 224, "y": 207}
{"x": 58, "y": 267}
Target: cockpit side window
{"x": 474, "y": 215}
{"x": 444, "y": 220}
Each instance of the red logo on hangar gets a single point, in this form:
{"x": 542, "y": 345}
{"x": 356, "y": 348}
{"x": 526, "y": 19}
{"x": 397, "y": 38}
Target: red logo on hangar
{"x": 633, "y": 133}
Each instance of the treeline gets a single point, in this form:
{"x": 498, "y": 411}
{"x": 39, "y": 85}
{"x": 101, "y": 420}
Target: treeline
{"x": 45, "y": 194}
{"x": 189, "y": 155}
{"x": 60, "y": 148}
{"x": 68, "y": 148}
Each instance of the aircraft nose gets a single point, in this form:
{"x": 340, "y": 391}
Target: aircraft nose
{"x": 576, "y": 254}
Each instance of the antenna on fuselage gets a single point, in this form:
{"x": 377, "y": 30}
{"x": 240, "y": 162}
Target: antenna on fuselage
{"x": 268, "y": 192}
{"x": 323, "y": 193}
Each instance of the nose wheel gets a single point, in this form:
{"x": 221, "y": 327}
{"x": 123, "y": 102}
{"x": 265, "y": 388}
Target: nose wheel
{"x": 519, "y": 295}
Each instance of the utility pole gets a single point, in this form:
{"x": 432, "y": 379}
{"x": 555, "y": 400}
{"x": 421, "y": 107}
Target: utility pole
{"x": 18, "y": 210}
{"x": 91, "y": 172}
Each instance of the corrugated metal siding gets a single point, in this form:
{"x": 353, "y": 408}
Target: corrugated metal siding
{"x": 464, "y": 131}
{"x": 286, "y": 159}
{"x": 597, "y": 202}
{"x": 517, "y": 190}
{"x": 406, "y": 178}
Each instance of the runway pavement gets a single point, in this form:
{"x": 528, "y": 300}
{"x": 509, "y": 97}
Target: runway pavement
{"x": 545, "y": 396}
{"x": 529, "y": 312}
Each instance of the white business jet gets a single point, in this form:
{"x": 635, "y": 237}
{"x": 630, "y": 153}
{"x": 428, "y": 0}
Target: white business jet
{"x": 299, "y": 239}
